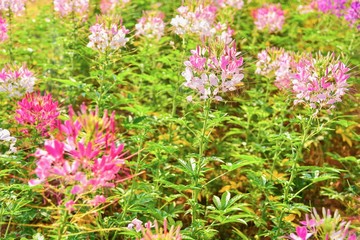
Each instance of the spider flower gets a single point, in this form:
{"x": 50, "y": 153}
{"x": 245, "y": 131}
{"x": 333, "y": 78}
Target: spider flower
{"x": 210, "y": 74}
{"x": 335, "y": 7}
{"x": 269, "y": 17}
{"x": 161, "y": 233}
{"x": 105, "y": 39}
{"x": 15, "y": 6}
{"x": 82, "y": 158}
{"x": 353, "y": 14}
{"x": 68, "y": 7}
{"x": 326, "y": 227}
{"x": 38, "y": 111}
{"x": 15, "y": 81}
{"x": 320, "y": 82}
{"x": 276, "y": 62}
{"x": 106, "y": 6}
{"x": 199, "y": 22}
{"x": 151, "y": 25}
{"x": 237, "y": 4}
{"x": 3, "y": 30}
{"x": 5, "y": 136}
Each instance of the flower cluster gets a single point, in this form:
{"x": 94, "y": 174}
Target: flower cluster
{"x": 151, "y": 25}
{"x": 319, "y": 82}
{"x": 352, "y": 14}
{"x": 200, "y": 22}
{"x": 335, "y": 7}
{"x": 237, "y": 4}
{"x": 278, "y": 62}
{"x": 160, "y": 233}
{"x": 325, "y": 227}
{"x": 269, "y": 17}
{"x": 105, "y": 39}
{"x": 16, "y": 82}
{"x": 5, "y": 136}
{"x": 210, "y": 74}
{"x": 82, "y": 158}
{"x": 3, "y": 30}
{"x": 107, "y": 6}
{"x": 67, "y": 7}
{"x": 38, "y": 111}
{"x": 15, "y": 6}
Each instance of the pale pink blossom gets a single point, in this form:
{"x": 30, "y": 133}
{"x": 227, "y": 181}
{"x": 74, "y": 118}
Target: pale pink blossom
{"x": 16, "y": 81}
{"x": 107, "y": 6}
{"x": 237, "y": 4}
{"x": 67, "y": 7}
{"x": 15, "y": 6}
{"x": 107, "y": 39}
{"x": 270, "y": 17}
{"x": 5, "y": 136}
{"x": 38, "y": 111}
{"x": 151, "y": 25}
{"x": 3, "y": 30}
{"x": 278, "y": 63}
{"x": 200, "y": 22}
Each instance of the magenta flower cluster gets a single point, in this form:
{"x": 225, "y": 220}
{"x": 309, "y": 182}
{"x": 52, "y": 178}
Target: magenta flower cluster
{"x": 325, "y": 227}
{"x": 3, "y": 30}
{"x": 275, "y": 62}
{"x": 67, "y": 7}
{"x": 82, "y": 158}
{"x": 151, "y": 25}
{"x": 352, "y": 14}
{"x": 15, "y": 6}
{"x": 200, "y": 22}
{"x": 209, "y": 74}
{"x": 38, "y": 111}
{"x": 16, "y": 81}
{"x": 269, "y": 18}
{"x": 331, "y": 6}
{"x": 105, "y": 39}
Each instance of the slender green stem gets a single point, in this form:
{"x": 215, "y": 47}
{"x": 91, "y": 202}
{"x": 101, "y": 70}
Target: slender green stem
{"x": 11, "y": 54}
{"x": 63, "y": 225}
{"x": 202, "y": 147}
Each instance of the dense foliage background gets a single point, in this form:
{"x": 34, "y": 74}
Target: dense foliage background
{"x": 250, "y": 165}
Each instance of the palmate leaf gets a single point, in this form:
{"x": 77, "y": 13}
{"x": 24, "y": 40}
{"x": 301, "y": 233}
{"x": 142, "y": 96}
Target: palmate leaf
{"x": 245, "y": 160}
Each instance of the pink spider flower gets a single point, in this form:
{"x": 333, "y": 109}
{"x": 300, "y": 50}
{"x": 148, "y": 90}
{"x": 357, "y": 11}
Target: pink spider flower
{"x": 107, "y": 6}
{"x": 237, "y": 4}
{"x": 269, "y": 17}
{"x": 107, "y": 39}
{"x": 15, "y": 81}
{"x": 200, "y": 22}
{"x": 151, "y": 25}
{"x": 160, "y": 232}
{"x": 209, "y": 74}
{"x": 320, "y": 82}
{"x": 3, "y": 30}
{"x": 327, "y": 226}
{"x": 82, "y": 158}
{"x": 15, "y": 6}
{"x": 301, "y": 234}
{"x": 68, "y": 7}
{"x": 353, "y": 14}
{"x": 335, "y": 7}
{"x": 275, "y": 62}
{"x": 38, "y": 111}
